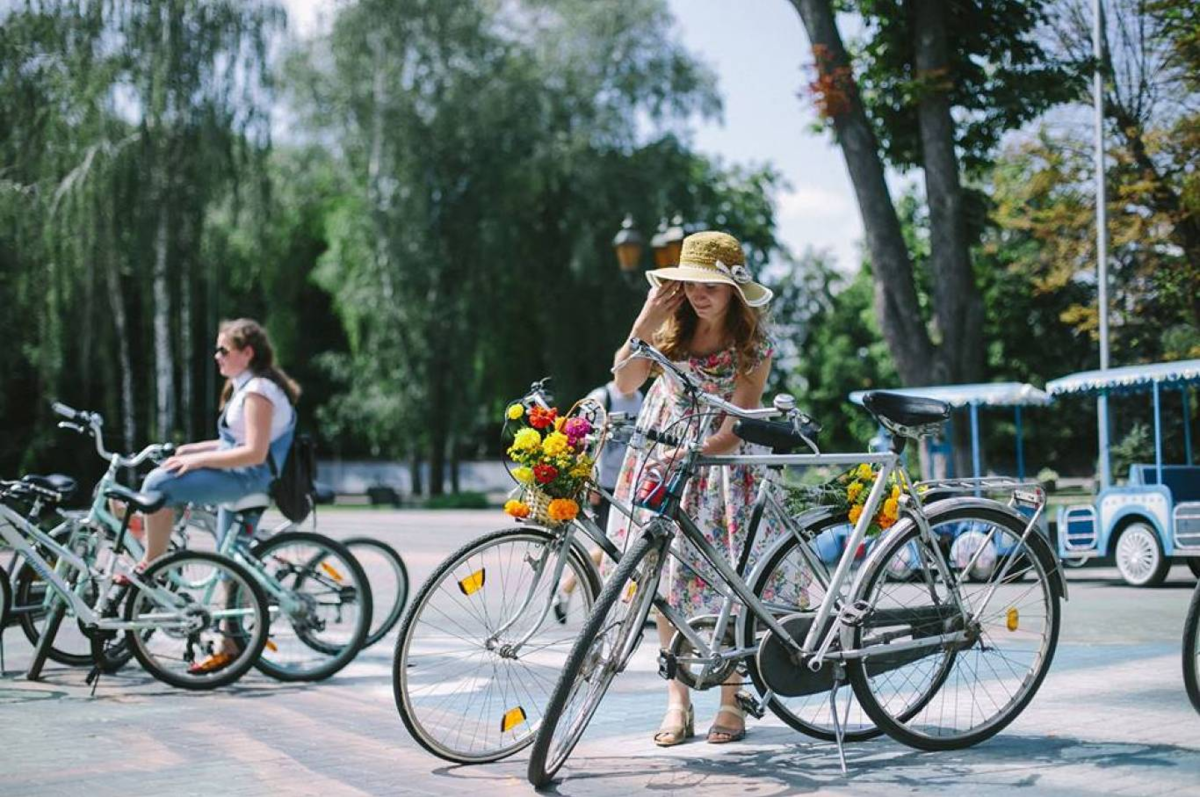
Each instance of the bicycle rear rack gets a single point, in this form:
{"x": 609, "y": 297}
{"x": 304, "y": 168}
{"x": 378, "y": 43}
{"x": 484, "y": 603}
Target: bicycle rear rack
{"x": 1022, "y": 492}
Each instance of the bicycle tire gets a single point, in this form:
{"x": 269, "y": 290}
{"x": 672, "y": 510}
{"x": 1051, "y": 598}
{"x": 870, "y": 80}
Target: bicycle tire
{"x": 5, "y": 598}
{"x": 337, "y": 655}
{"x": 382, "y": 622}
{"x": 1191, "y": 649}
{"x": 636, "y": 578}
{"x": 248, "y": 653}
{"x": 917, "y": 728}
{"x": 801, "y": 714}
{"x": 410, "y": 697}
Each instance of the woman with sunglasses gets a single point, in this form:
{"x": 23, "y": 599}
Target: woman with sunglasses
{"x": 254, "y": 430}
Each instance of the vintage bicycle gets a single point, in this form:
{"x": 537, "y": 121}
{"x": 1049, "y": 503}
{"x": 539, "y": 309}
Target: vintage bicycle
{"x": 936, "y": 660}
{"x": 1191, "y": 649}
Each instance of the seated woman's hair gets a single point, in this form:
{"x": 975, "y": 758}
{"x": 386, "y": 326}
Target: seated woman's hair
{"x": 243, "y": 332}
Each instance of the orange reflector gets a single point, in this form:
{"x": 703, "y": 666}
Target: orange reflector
{"x": 332, "y": 571}
{"x": 1013, "y": 619}
{"x": 473, "y": 583}
{"x": 630, "y": 591}
{"x": 271, "y": 646}
{"x": 511, "y": 719}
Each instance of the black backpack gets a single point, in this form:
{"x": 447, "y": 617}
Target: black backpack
{"x": 294, "y": 489}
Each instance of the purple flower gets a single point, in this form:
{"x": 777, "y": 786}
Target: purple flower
{"x": 576, "y": 429}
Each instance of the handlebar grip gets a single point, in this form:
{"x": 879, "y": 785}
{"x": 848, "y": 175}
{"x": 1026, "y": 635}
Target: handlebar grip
{"x": 664, "y": 439}
{"x": 64, "y": 410}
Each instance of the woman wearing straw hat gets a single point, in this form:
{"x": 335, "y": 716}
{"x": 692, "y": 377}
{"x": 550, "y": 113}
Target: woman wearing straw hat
{"x": 707, "y": 315}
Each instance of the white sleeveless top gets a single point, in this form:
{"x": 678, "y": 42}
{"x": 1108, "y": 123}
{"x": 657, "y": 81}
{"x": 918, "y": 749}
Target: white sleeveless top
{"x": 235, "y": 411}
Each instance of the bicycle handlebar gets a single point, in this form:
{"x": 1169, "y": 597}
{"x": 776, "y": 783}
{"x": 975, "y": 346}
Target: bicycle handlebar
{"x": 92, "y": 423}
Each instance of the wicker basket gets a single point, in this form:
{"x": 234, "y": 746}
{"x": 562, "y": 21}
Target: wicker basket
{"x": 539, "y": 505}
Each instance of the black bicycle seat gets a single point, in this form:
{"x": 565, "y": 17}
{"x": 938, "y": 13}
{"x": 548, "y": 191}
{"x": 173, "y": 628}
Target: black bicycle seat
{"x": 63, "y": 485}
{"x": 143, "y": 502}
{"x": 906, "y": 415}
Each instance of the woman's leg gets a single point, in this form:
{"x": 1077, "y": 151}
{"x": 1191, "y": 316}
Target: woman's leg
{"x": 678, "y": 723}
{"x": 158, "y": 533}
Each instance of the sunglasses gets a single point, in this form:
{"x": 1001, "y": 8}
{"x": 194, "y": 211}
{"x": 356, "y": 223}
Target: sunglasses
{"x": 220, "y": 351}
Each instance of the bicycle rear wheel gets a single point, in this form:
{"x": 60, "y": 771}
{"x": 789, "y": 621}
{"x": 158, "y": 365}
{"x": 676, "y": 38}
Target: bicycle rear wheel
{"x": 612, "y": 633}
{"x": 787, "y": 584}
{"x": 182, "y": 622}
{"x": 320, "y": 605}
{"x": 1191, "y": 649}
{"x": 463, "y": 692}
{"x": 389, "y": 584}
{"x": 954, "y": 695}
{"x": 32, "y": 603}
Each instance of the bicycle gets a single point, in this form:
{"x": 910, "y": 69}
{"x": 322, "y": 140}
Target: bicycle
{"x": 1191, "y": 649}
{"x": 167, "y": 622}
{"x": 898, "y": 643}
{"x": 386, "y": 572}
{"x": 493, "y": 600}
{"x": 310, "y": 580}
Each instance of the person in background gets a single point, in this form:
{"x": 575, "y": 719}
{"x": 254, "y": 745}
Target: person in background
{"x": 613, "y": 454}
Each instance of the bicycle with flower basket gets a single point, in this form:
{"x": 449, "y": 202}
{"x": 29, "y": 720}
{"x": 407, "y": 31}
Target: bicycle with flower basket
{"x": 982, "y": 648}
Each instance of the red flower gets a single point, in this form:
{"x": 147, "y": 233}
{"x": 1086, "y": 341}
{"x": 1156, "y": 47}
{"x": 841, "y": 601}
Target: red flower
{"x": 545, "y": 473}
{"x": 540, "y": 418}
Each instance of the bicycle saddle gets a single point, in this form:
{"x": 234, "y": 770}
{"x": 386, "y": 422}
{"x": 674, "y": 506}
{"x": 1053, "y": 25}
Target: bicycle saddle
{"x": 777, "y": 435}
{"x": 910, "y": 416}
{"x": 63, "y": 485}
{"x": 143, "y": 502}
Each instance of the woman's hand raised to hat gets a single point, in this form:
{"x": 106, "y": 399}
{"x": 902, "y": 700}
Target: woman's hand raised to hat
{"x": 661, "y": 303}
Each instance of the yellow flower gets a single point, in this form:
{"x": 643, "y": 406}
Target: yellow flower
{"x": 854, "y": 491}
{"x": 527, "y": 440}
{"x": 523, "y": 475}
{"x": 855, "y": 512}
{"x": 515, "y": 412}
{"x": 582, "y": 470}
{"x": 896, "y": 491}
{"x": 516, "y": 508}
{"x": 558, "y": 423}
{"x": 562, "y": 509}
{"x": 556, "y": 443}
{"x": 891, "y": 508}
{"x": 864, "y": 472}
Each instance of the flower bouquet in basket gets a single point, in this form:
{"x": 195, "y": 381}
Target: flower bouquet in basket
{"x": 847, "y": 494}
{"x": 553, "y": 462}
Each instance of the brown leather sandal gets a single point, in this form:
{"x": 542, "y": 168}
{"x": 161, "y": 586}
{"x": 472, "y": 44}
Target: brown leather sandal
{"x": 724, "y": 734}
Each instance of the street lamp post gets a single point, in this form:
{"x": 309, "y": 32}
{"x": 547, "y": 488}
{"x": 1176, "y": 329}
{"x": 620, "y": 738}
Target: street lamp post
{"x": 628, "y": 245}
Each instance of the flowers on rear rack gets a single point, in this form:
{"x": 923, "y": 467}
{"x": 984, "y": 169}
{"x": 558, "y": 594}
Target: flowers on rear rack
{"x": 552, "y": 464}
{"x": 847, "y": 493}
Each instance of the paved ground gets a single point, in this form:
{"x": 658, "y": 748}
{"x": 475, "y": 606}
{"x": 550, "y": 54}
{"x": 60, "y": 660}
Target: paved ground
{"x": 1111, "y": 718}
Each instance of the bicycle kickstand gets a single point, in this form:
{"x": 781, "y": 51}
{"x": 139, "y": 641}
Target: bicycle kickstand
{"x": 2, "y": 667}
{"x": 93, "y": 678}
{"x": 839, "y": 723}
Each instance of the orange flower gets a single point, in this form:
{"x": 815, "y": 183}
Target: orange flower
{"x": 562, "y": 509}
{"x": 516, "y": 508}
{"x": 855, "y": 511}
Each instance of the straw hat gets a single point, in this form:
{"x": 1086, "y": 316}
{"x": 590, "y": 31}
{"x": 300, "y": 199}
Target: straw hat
{"x": 714, "y": 257}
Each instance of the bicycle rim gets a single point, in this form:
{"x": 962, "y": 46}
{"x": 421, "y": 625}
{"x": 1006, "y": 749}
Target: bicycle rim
{"x": 320, "y": 605}
{"x": 786, "y": 586}
{"x": 388, "y": 577}
{"x": 603, "y": 648}
{"x": 958, "y": 694}
{"x": 462, "y": 695}
{"x": 1191, "y": 650}
{"x": 185, "y": 626}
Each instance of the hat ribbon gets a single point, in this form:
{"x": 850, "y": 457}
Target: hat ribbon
{"x": 739, "y": 274}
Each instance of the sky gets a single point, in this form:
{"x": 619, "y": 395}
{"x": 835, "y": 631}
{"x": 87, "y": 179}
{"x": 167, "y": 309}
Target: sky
{"x": 758, "y": 49}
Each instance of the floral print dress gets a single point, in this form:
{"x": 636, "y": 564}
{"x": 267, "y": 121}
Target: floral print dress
{"x": 719, "y": 499}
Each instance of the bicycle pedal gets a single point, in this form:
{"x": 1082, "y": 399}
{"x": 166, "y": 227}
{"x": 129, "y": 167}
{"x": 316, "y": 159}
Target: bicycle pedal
{"x": 854, "y": 613}
{"x": 668, "y": 665}
{"x": 750, "y": 704}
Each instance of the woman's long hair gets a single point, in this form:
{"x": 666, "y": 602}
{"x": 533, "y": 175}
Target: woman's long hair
{"x": 243, "y": 332}
{"x": 745, "y": 328}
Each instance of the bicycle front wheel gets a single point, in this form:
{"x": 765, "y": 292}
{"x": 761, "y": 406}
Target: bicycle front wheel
{"x": 320, "y": 605}
{"x": 180, "y": 625}
{"x": 1001, "y": 601}
{"x": 608, "y": 640}
{"x": 389, "y": 584}
{"x": 1191, "y": 649}
{"x": 464, "y": 687}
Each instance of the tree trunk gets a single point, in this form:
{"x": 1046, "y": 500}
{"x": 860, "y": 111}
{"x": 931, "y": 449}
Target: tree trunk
{"x": 957, "y": 305}
{"x": 895, "y": 290}
{"x": 187, "y": 352}
{"x": 164, "y": 366}
{"x": 116, "y": 303}
{"x": 418, "y": 487}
